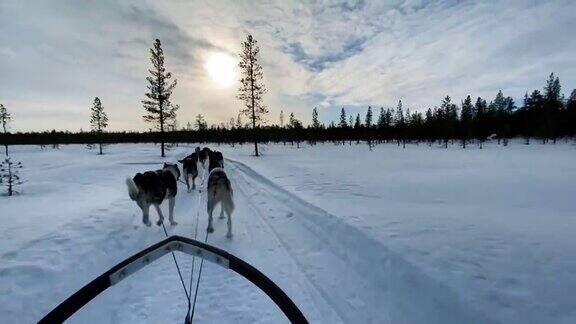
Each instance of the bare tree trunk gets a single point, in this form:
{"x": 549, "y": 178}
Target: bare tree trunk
{"x": 5, "y": 145}
{"x": 9, "y": 180}
{"x": 253, "y": 114}
{"x": 161, "y": 128}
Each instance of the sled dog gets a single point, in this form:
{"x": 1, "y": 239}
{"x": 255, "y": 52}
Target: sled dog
{"x": 220, "y": 191}
{"x": 151, "y": 188}
{"x": 190, "y": 169}
{"x": 203, "y": 155}
{"x": 215, "y": 160}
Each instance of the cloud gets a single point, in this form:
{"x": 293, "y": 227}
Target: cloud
{"x": 329, "y": 54}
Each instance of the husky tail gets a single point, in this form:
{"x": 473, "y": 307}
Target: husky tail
{"x": 132, "y": 188}
{"x": 228, "y": 197}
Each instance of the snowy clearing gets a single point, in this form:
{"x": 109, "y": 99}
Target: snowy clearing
{"x": 415, "y": 235}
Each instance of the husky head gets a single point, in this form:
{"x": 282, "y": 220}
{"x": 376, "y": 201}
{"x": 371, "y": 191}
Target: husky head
{"x": 172, "y": 168}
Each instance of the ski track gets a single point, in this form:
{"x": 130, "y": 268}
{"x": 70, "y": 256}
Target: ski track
{"x": 334, "y": 272}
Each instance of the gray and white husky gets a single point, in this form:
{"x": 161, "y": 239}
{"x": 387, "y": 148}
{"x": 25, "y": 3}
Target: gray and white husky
{"x": 151, "y": 188}
{"x": 220, "y": 191}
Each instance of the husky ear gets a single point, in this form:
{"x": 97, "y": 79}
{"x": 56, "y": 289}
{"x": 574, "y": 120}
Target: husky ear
{"x": 181, "y": 161}
{"x": 165, "y": 164}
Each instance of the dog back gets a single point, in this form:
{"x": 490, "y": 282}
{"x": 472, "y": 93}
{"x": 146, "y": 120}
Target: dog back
{"x": 216, "y": 160}
{"x": 150, "y": 185}
{"x": 189, "y": 164}
{"x": 218, "y": 181}
{"x": 155, "y": 185}
{"x": 204, "y": 153}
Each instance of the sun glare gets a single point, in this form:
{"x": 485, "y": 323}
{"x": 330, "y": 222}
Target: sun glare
{"x": 221, "y": 68}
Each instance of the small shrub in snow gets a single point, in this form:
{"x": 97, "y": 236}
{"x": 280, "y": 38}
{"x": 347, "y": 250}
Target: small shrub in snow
{"x": 9, "y": 175}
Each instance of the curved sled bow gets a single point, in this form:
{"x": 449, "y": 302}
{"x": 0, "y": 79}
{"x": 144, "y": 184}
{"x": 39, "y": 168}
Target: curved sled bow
{"x": 156, "y": 251}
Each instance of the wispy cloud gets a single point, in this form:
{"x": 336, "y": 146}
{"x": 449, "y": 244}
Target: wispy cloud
{"x": 59, "y": 55}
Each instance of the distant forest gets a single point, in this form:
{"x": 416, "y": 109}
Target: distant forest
{"x": 544, "y": 115}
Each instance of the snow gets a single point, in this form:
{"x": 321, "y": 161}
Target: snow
{"x": 415, "y": 235}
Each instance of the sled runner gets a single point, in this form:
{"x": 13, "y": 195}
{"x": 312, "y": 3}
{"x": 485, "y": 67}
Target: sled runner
{"x": 174, "y": 243}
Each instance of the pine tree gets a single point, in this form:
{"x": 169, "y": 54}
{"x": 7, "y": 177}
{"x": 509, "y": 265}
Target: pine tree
{"x": 357, "y": 124}
{"x": 526, "y": 120}
{"x": 252, "y": 88}
{"x": 159, "y": 110}
{"x": 381, "y": 119}
{"x": 296, "y": 126}
{"x": 407, "y": 118}
{"x": 496, "y": 113}
{"x": 315, "y": 122}
{"x": 449, "y": 118}
{"x": 399, "y": 119}
{"x": 466, "y": 117}
{"x": 293, "y": 122}
{"x": 552, "y": 91}
{"x": 536, "y": 103}
{"x": 5, "y": 119}
{"x": 505, "y": 121}
{"x": 399, "y": 123}
{"x": 343, "y": 123}
{"x": 480, "y": 110}
{"x": 552, "y": 105}
{"x": 200, "y": 123}
{"x": 368, "y": 120}
{"x": 571, "y": 110}
{"x": 389, "y": 118}
{"x": 98, "y": 120}
{"x": 281, "y": 118}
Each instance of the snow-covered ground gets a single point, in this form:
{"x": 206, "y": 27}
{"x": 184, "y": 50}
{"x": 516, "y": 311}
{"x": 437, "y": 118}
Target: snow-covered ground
{"x": 415, "y": 235}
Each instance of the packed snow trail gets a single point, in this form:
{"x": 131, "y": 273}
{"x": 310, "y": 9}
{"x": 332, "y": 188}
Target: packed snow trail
{"x": 357, "y": 276}
{"x": 333, "y": 272}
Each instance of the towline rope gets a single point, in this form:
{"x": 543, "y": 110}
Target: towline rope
{"x": 192, "y": 306}
{"x": 177, "y": 266}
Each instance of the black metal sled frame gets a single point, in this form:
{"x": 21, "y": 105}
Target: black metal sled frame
{"x": 174, "y": 243}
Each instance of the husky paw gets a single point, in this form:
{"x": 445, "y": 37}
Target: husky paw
{"x": 173, "y": 223}
{"x": 148, "y": 223}
{"x": 210, "y": 229}
{"x": 159, "y": 222}
{"x": 229, "y": 235}
{"x": 221, "y": 217}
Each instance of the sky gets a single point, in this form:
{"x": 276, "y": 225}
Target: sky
{"x": 56, "y": 56}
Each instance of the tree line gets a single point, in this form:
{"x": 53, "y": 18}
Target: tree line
{"x": 545, "y": 115}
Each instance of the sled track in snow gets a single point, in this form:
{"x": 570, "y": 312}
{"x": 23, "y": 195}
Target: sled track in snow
{"x": 359, "y": 277}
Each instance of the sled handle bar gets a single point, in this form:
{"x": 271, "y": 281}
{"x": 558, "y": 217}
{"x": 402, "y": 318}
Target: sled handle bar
{"x": 174, "y": 243}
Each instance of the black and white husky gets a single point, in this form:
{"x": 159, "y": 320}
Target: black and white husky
{"x": 151, "y": 188}
{"x": 190, "y": 169}
{"x": 220, "y": 191}
{"x": 215, "y": 160}
{"x": 203, "y": 154}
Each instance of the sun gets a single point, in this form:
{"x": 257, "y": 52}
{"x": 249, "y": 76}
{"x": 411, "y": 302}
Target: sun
{"x": 221, "y": 68}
